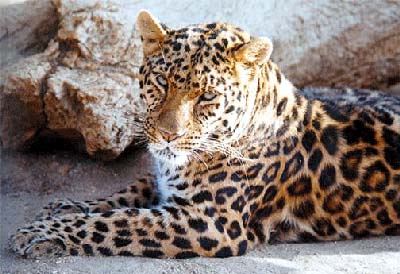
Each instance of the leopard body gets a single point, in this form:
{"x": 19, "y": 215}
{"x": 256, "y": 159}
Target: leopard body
{"x": 242, "y": 158}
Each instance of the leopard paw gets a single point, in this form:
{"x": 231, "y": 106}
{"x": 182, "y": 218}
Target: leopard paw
{"x": 62, "y": 207}
{"x": 33, "y": 243}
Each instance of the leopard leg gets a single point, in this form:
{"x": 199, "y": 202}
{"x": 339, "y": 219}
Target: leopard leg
{"x": 166, "y": 232}
{"x": 141, "y": 194}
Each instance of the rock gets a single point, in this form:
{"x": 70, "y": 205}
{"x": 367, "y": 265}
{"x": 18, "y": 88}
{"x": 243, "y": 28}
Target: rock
{"x": 25, "y": 29}
{"x": 94, "y": 90}
{"x": 21, "y": 103}
{"x": 101, "y": 106}
{"x": 100, "y": 33}
{"x": 86, "y": 88}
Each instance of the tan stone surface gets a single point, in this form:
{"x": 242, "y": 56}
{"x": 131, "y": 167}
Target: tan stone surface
{"x": 87, "y": 88}
{"x": 21, "y": 103}
{"x": 101, "y": 106}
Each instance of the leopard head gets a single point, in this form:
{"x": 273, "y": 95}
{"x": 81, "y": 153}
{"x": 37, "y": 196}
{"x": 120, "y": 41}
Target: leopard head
{"x": 199, "y": 84}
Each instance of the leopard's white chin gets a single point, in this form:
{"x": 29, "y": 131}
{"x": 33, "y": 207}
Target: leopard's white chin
{"x": 170, "y": 156}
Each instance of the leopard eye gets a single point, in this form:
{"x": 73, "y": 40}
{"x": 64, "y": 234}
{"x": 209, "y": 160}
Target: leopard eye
{"x": 161, "y": 80}
{"x": 207, "y": 96}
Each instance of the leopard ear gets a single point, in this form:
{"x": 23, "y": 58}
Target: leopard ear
{"x": 151, "y": 32}
{"x": 257, "y": 51}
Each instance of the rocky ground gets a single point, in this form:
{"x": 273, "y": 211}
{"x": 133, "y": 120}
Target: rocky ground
{"x": 29, "y": 180}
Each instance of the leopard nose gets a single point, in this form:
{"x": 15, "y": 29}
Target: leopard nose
{"x": 170, "y": 136}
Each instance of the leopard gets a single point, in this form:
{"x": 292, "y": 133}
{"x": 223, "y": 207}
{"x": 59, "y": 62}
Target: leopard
{"x": 242, "y": 158}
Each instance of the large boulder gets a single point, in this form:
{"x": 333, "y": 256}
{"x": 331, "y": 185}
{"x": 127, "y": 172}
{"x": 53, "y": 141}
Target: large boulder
{"x": 84, "y": 86}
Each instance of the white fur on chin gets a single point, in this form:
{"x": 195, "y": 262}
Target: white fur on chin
{"x": 179, "y": 158}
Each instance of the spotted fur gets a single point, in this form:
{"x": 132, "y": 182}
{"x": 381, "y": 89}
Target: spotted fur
{"x": 242, "y": 158}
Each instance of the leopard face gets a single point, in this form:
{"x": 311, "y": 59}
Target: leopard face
{"x": 193, "y": 82}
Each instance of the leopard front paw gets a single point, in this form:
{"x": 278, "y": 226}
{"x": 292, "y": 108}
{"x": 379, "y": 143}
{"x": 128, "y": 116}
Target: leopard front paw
{"x": 31, "y": 242}
{"x": 62, "y": 207}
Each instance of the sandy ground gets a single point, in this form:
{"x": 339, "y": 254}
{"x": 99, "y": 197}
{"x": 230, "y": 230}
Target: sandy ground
{"x": 30, "y": 180}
